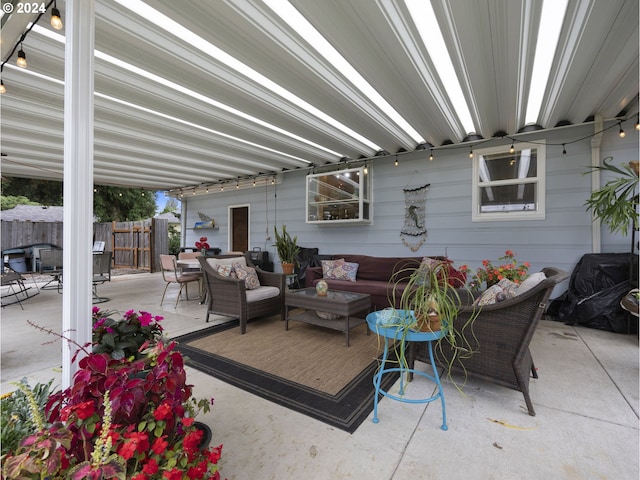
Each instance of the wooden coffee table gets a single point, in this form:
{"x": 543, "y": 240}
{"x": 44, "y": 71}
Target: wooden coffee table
{"x": 342, "y": 304}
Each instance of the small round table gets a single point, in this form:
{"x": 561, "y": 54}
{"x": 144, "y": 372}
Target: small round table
{"x": 395, "y": 332}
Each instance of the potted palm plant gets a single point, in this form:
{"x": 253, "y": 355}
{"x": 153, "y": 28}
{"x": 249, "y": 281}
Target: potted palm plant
{"x": 615, "y": 204}
{"x": 287, "y": 249}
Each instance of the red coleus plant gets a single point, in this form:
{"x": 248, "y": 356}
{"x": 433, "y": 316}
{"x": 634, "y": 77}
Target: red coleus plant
{"x": 121, "y": 418}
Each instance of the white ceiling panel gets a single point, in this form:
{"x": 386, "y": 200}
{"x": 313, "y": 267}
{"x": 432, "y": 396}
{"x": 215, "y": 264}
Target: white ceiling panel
{"x": 257, "y": 98}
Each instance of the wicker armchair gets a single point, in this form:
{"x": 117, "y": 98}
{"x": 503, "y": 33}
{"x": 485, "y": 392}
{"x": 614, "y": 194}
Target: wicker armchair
{"x": 229, "y": 296}
{"x": 500, "y": 338}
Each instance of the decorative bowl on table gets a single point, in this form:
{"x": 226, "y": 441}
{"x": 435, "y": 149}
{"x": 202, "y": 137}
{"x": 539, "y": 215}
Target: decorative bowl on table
{"x": 322, "y": 288}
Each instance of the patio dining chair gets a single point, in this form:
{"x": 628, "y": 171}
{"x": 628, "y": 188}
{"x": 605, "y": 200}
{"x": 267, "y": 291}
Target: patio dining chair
{"x": 101, "y": 274}
{"x": 14, "y": 288}
{"x": 189, "y": 256}
{"x": 51, "y": 263}
{"x": 171, "y": 274}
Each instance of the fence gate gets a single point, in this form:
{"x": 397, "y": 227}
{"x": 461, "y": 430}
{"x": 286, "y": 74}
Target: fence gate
{"x": 132, "y": 244}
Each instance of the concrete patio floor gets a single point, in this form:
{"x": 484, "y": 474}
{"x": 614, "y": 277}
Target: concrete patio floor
{"x": 586, "y": 400}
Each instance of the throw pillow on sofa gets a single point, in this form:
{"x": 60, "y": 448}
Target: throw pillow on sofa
{"x": 329, "y": 265}
{"x": 339, "y": 270}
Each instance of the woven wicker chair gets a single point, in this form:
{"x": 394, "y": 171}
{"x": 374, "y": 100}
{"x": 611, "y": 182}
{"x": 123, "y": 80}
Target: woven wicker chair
{"x": 229, "y": 296}
{"x": 500, "y": 338}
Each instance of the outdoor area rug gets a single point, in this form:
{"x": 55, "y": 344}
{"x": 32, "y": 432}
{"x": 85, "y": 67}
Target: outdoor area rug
{"x": 308, "y": 368}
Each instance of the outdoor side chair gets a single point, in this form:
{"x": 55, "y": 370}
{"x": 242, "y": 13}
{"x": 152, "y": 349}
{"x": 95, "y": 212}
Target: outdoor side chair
{"x": 14, "y": 288}
{"x": 229, "y": 296}
{"x": 101, "y": 274}
{"x": 171, "y": 274}
{"x": 51, "y": 263}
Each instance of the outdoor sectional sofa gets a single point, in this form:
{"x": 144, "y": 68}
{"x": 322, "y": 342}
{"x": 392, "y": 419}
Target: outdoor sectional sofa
{"x": 374, "y": 276}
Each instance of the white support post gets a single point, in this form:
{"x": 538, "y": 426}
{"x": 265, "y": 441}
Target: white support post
{"x": 596, "y": 140}
{"x": 78, "y": 180}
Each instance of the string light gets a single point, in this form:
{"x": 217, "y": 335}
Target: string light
{"x": 364, "y": 161}
{"x": 22, "y": 58}
{"x": 21, "y": 61}
{"x": 56, "y": 21}
{"x": 621, "y": 133}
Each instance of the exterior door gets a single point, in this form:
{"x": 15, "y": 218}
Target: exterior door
{"x": 239, "y": 231}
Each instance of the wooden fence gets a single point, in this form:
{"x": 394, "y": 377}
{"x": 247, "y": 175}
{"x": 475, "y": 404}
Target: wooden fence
{"x": 135, "y": 244}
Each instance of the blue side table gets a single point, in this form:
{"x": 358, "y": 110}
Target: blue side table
{"x": 385, "y": 324}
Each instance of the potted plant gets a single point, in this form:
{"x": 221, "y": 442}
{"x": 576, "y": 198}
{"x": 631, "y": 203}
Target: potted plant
{"x": 489, "y": 274}
{"x": 287, "y": 248}
{"x": 430, "y": 300}
{"x": 615, "y": 204}
{"x": 128, "y": 417}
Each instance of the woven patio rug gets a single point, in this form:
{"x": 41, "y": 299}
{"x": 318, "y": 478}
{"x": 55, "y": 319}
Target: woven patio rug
{"x": 308, "y": 368}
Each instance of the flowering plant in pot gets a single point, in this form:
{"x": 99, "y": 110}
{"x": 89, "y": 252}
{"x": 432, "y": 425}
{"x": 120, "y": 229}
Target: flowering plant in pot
{"x": 203, "y": 246}
{"x": 123, "y": 338}
{"x": 490, "y": 274}
{"x": 121, "y": 418}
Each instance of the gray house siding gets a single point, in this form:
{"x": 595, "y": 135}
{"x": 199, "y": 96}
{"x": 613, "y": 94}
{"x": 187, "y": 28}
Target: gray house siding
{"x": 559, "y": 240}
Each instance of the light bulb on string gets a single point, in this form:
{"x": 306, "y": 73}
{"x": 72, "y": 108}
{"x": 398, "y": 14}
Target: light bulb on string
{"x": 471, "y": 153}
{"x": 56, "y": 21}
{"x": 430, "y": 155}
{"x": 22, "y": 58}
{"x": 637, "y": 127}
{"x": 3, "y": 89}
{"x": 564, "y": 150}
{"x": 512, "y": 149}
{"x": 621, "y": 132}
{"x": 396, "y": 162}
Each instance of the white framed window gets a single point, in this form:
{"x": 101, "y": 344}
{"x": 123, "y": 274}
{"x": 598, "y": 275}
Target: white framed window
{"x": 509, "y": 185}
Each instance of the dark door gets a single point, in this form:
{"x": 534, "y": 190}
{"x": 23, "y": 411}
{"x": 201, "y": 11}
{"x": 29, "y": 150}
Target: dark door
{"x": 240, "y": 229}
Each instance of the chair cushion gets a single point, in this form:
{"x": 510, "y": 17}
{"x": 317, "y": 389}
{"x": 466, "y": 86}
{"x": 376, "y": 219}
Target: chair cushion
{"x": 188, "y": 277}
{"x": 214, "y": 262}
{"x": 262, "y": 293}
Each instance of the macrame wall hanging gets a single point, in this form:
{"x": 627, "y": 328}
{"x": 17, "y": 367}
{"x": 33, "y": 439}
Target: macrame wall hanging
{"x": 414, "y": 232}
